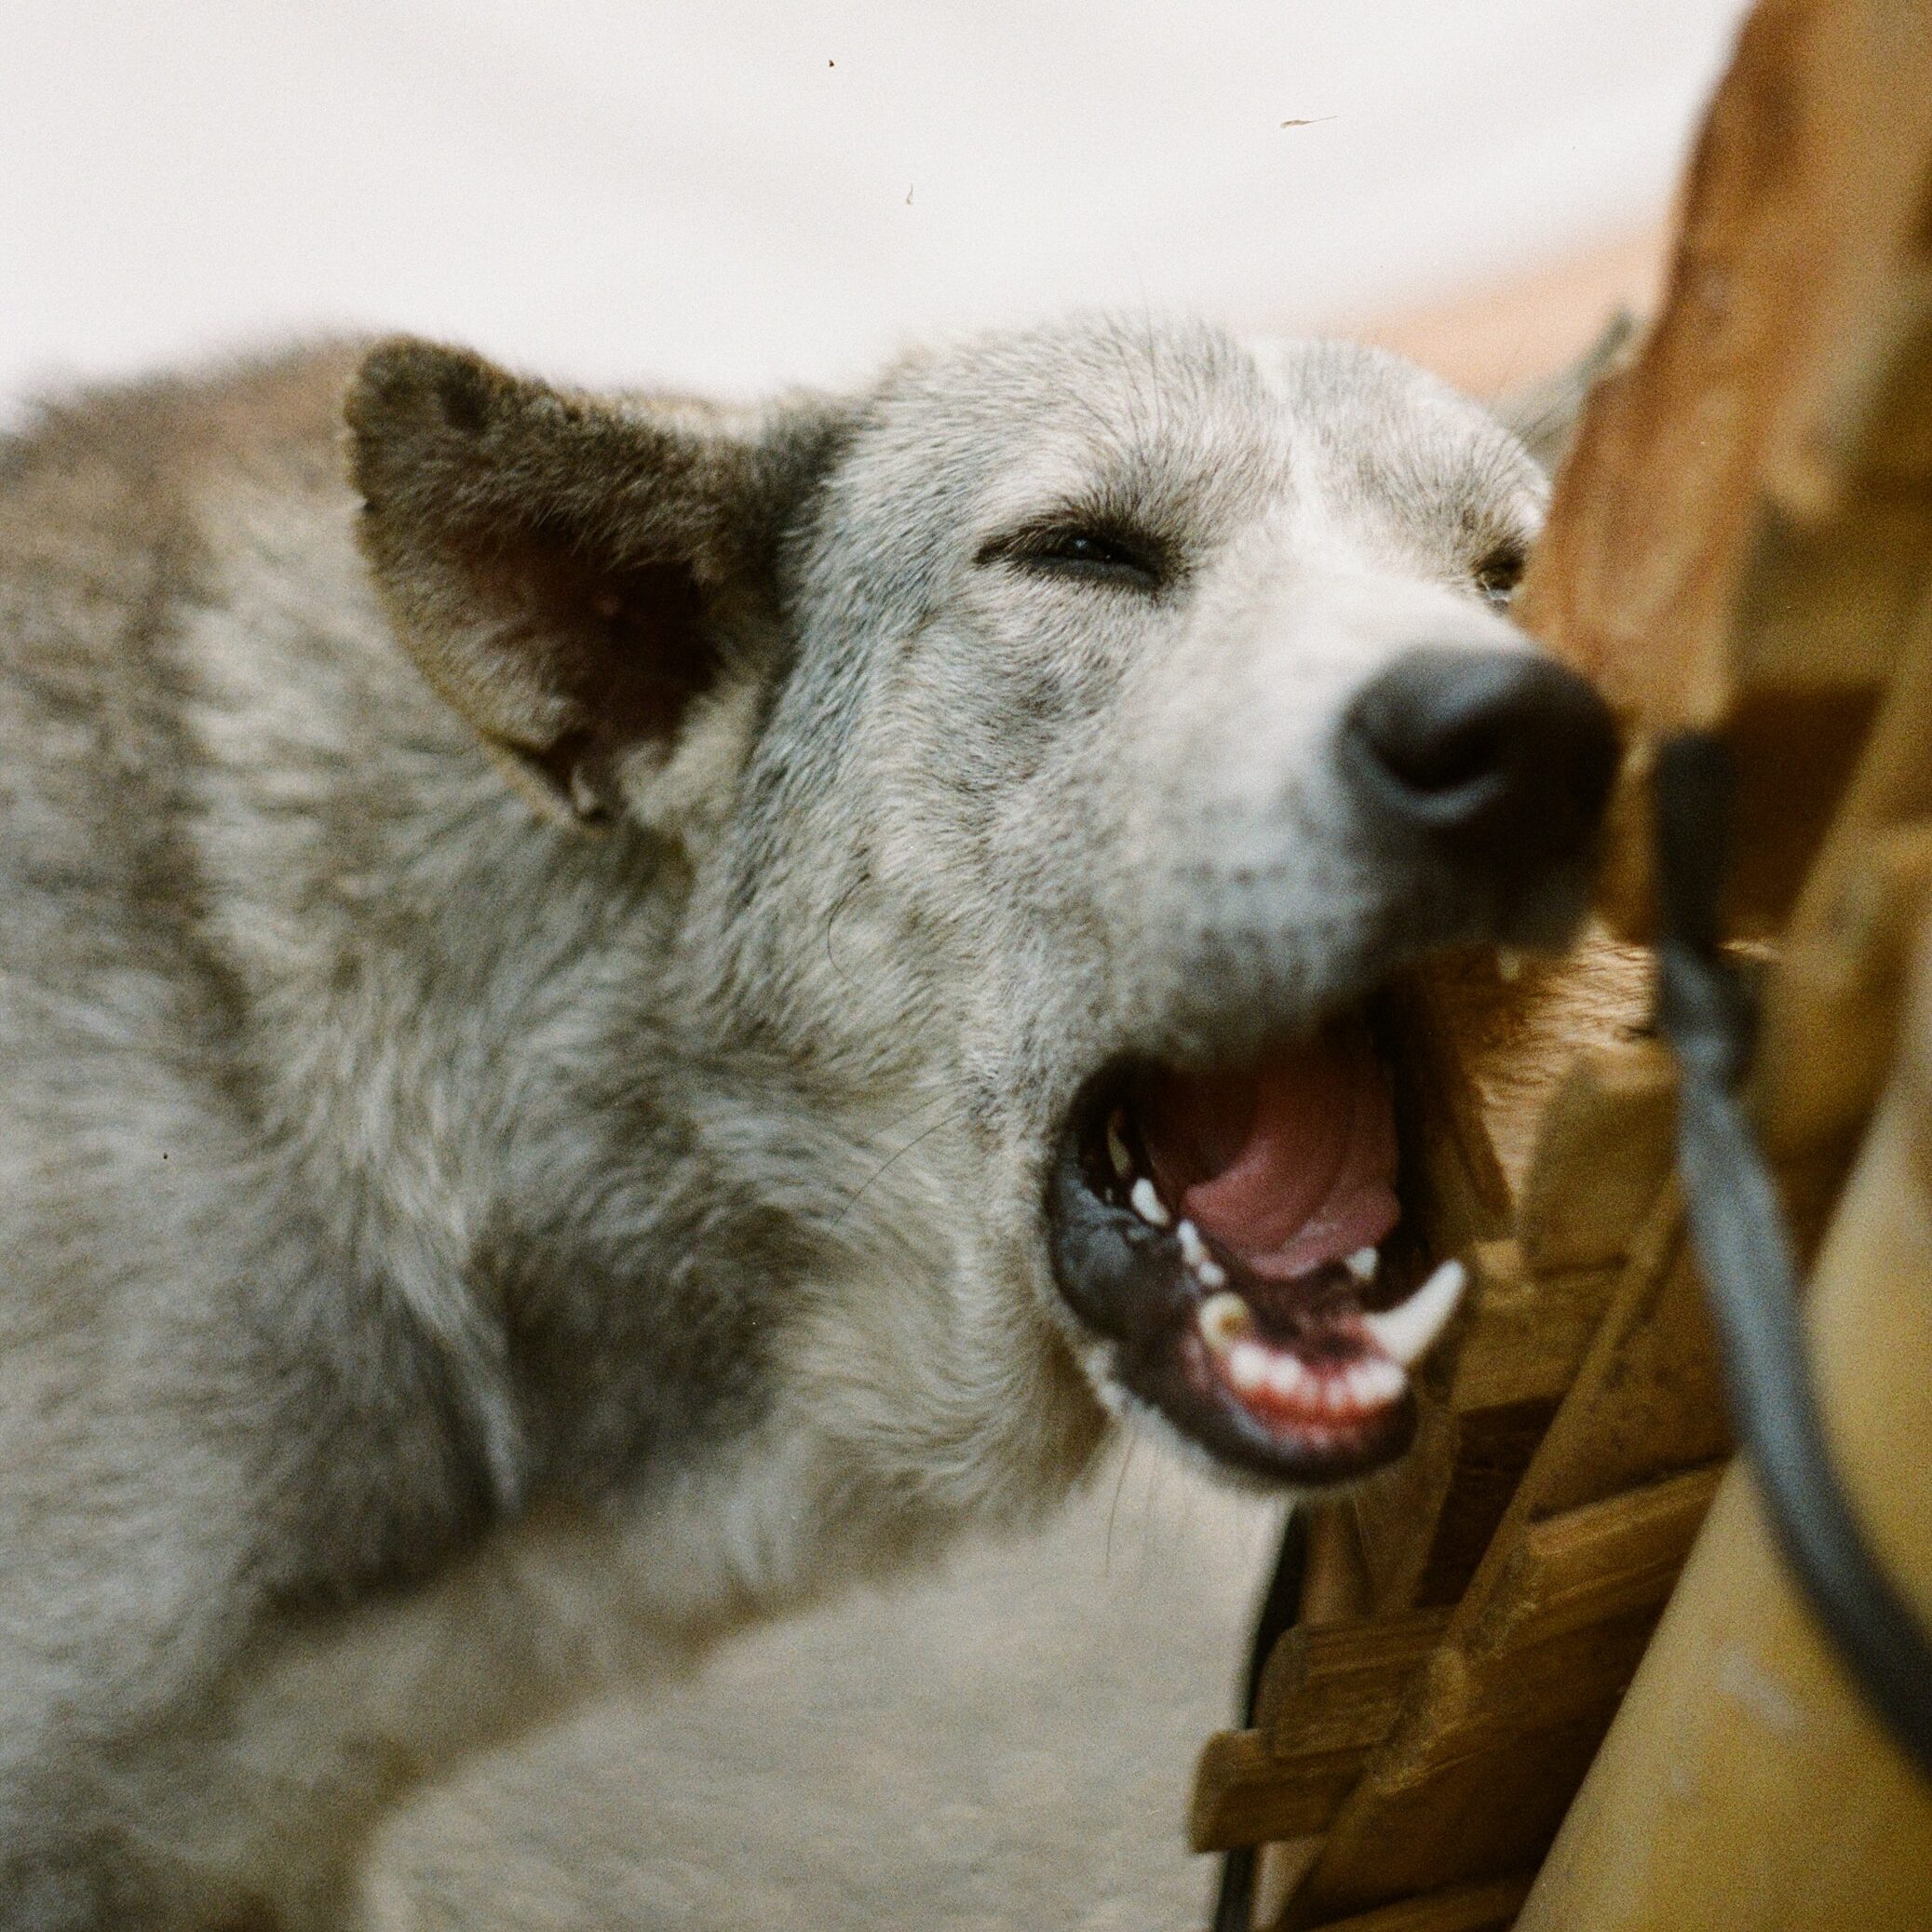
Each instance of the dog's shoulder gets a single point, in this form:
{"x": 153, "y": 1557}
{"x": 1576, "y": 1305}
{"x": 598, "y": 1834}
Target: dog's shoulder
{"x": 111, "y": 522}
{"x": 179, "y": 420}
{"x": 97, "y": 485}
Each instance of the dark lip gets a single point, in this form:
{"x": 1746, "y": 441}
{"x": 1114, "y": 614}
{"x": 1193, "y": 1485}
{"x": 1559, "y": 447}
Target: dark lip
{"x": 1121, "y": 1278}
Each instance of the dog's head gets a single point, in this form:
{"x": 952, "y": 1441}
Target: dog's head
{"x": 1056, "y": 747}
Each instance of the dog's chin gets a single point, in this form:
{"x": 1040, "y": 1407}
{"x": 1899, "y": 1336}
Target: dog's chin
{"x": 1230, "y": 1246}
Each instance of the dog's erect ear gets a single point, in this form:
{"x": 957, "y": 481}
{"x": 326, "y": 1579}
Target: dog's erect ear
{"x": 1545, "y": 415}
{"x": 576, "y": 576}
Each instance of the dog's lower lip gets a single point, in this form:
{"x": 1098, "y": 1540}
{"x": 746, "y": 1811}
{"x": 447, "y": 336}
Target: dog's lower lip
{"x": 1360, "y": 1369}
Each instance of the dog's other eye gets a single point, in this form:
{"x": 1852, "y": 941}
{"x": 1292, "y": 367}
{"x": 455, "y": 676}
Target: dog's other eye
{"x": 1500, "y": 572}
{"x": 1128, "y": 558}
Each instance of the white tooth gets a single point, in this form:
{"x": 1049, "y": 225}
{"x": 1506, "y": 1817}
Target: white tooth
{"x": 1116, "y": 1145}
{"x": 1211, "y": 1274}
{"x": 1287, "y": 1375}
{"x": 1405, "y": 1334}
{"x": 1374, "y": 1380}
{"x": 1221, "y": 1319}
{"x": 1362, "y": 1263}
{"x": 1510, "y": 963}
{"x": 1194, "y": 1250}
{"x": 1248, "y": 1366}
{"x": 1337, "y": 1396}
{"x": 1147, "y": 1204}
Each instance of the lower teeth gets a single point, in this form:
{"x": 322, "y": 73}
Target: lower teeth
{"x": 1221, "y": 1318}
{"x": 1248, "y": 1366}
{"x": 1225, "y": 1321}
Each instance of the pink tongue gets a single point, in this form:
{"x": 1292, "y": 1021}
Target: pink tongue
{"x": 1285, "y": 1166}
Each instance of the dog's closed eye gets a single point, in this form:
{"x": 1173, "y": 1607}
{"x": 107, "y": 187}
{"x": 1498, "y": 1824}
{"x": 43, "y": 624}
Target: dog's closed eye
{"x": 1499, "y": 571}
{"x": 1118, "y": 554}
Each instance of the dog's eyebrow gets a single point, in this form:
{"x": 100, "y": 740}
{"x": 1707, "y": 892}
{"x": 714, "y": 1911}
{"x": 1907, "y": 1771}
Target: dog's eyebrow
{"x": 1104, "y": 516}
{"x": 1123, "y": 491}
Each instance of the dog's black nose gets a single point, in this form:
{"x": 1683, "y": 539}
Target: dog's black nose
{"x": 1494, "y": 755}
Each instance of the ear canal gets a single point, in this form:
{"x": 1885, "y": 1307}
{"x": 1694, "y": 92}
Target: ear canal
{"x": 564, "y": 570}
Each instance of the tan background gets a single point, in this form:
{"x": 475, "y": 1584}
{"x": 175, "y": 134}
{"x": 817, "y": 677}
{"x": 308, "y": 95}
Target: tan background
{"x": 732, "y": 193}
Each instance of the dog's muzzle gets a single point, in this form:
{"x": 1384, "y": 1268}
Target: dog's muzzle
{"x": 1232, "y": 1238}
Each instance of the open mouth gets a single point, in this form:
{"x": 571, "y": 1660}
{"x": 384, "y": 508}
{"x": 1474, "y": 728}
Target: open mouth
{"x": 1233, "y": 1236}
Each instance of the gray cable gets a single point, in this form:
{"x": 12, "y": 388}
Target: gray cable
{"x": 1750, "y": 1273}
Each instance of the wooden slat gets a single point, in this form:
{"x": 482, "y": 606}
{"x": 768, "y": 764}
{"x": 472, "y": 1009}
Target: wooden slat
{"x": 1338, "y": 1685}
{"x": 1245, "y": 1794}
{"x": 1399, "y": 1512}
{"x": 1482, "y": 1057}
{"x": 1804, "y": 192}
{"x": 1603, "y": 1149}
{"x": 1329, "y": 1697}
{"x": 1844, "y": 968}
{"x": 1529, "y": 1332}
{"x": 1474, "y": 1777}
{"x": 1591, "y": 1565}
{"x": 1485, "y": 1907}
{"x": 1649, "y": 1401}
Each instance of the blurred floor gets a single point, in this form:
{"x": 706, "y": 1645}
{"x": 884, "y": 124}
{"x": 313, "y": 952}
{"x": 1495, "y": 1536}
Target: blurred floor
{"x": 1005, "y": 1746}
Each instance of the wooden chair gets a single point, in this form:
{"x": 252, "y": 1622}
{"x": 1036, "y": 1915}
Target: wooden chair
{"x": 1740, "y": 544}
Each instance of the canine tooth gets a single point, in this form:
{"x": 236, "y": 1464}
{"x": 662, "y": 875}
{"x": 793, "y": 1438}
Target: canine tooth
{"x": 1194, "y": 1250}
{"x": 1221, "y": 1319}
{"x": 1363, "y": 1263}
{"x": 1116, "y": 1145}
{"x": 1248, "y": 1366}
{"x": 1211, "y": 1274}
{"x": 1404, "y": 1333}
{"x": 1147, "y": 1204}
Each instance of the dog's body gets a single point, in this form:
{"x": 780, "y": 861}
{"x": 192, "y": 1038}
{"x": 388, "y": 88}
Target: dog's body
{"x": 444, "y": 1255}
